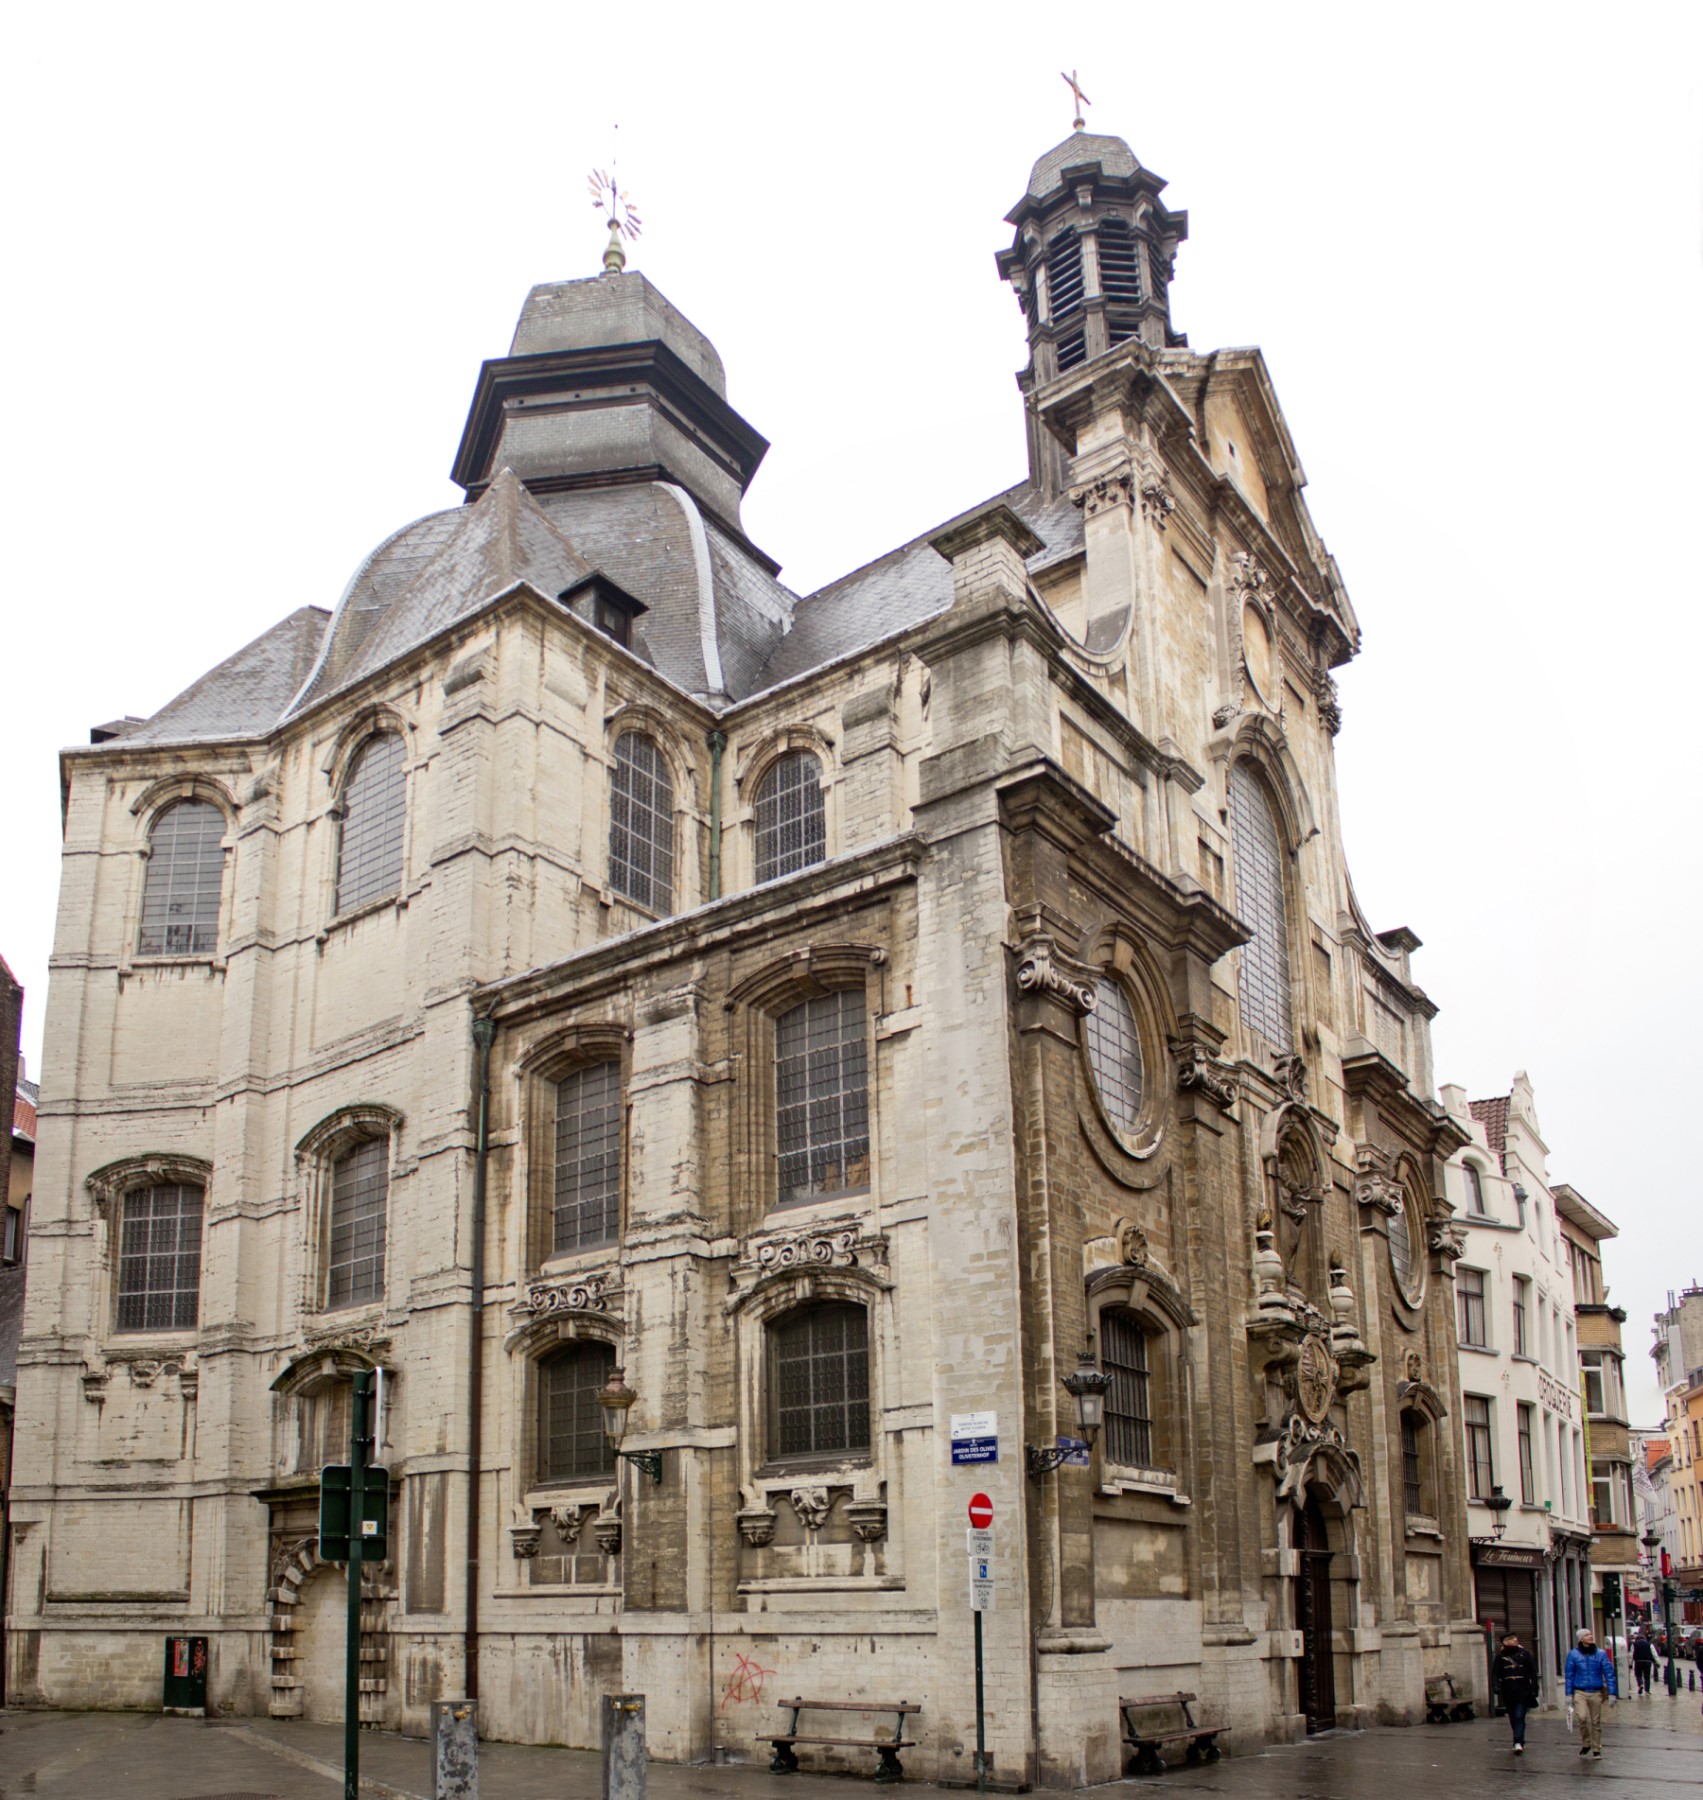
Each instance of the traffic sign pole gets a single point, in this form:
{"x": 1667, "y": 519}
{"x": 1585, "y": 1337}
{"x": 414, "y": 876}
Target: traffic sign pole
{"x": 980, "y": 1546}
{"x": 981, "y": 1715}
{"x": 358, "y": 1415}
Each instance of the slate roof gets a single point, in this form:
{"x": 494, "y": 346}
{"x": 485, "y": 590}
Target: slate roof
{"x": 1493, "y": 1116}
{"x": 245, "y": 695}
{"x": 1112, "y": 154}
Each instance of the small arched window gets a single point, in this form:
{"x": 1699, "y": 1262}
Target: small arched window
{"x": 1257, "y": 851}
{"x": 1474, "y": 1191}
{"x": 586, "y": 1186}
{"x": 822, "y": 1096}
{"x": 180, "y": 898}
{"x": 1114, "y": 1055}
{"x": 572, "y": 1444}
{"x": 159, "y": 1258}
{"x": 1129, "y": 1400}
{"x": 360, "y": 1196}
{"x": 641, "y": 824}
{"x": 369, "y": 851}
{"x": 791, "y": 831}
{"x": 819, "y": 1382}
{"x": 1414, "y": 1457}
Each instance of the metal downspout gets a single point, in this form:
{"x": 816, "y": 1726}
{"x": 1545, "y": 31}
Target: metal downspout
{"x": 718, "y": 743}
{"x": 484, "y": 1031}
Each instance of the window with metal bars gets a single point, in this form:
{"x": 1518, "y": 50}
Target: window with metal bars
{"x": 822, "y": 1096}
{"x": 360, "y": 1193}
{"x": 1064, "y": 275}
{"x": 1469, "y": 1298}
{"x": 369, "y": 852}
{"x": 572, "y": 1444}
{"x": 1257, "y": 854}
{"x": 586, "y": 1207}
{"x": 641, "y": 824}
{"x": 819, "y": 1382}
{"x": 1480, "y": 1463}
{"x": 1129, "y": 1401}
{"x": 1120, "y": 271}
{"x": 792, "y": 832}
{"x": 180, "y": 897}
{"x": 1412, "y": 1467}
{"x": 1114, "y": 1055}
{"x": 159, "y": 1259}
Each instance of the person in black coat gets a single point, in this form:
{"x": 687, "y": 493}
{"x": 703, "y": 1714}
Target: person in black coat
{"x": 1643, "y": 1661}
{"x": 1515, "y": 1674}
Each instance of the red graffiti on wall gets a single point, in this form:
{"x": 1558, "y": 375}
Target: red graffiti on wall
{"x": 746, "y": 1680}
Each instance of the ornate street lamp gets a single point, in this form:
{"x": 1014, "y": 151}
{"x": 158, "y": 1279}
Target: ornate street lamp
{"x": 616, "y": 1399}
{"x": 1498, "y": 1504}
{"x": 1086, "y": 1384}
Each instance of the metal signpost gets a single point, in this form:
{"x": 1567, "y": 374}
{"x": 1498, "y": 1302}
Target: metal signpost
{"x": 979, "y": 1543}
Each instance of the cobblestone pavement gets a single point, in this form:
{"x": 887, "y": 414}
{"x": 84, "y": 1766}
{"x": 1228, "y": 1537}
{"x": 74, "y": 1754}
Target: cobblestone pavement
{"x": 1653, "y": 1750}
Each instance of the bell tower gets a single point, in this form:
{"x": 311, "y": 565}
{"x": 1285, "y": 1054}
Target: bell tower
{"x": 1091, "y": 266}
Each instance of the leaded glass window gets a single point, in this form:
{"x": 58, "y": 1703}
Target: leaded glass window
{"x": 1114, "y": 1055}
{"x": 1401, "y": 1249}
{"x": 586, "y": 1199}
{"x": 180, "y": 898}
{"x": 369, "y": 854}
{"x": 819, "y": 1380}
{"x": 572, "y": 1444}
{"x": 1129, "y": 1404}
{"x": 360, "y": 1192}
{"x": 641, "y": 824}
{"x": 791, "y": 831}
{"x": 822, "y": 1096}
{"x": 1257, "y": 849}
{"x": 159, "y": 1259}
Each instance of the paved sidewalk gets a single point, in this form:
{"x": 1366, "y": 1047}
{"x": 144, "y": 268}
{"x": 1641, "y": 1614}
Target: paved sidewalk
{"x": 1653, "y": 1751}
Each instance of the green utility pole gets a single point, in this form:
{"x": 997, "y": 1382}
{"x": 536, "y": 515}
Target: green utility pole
{"x": 358, "y": 1439}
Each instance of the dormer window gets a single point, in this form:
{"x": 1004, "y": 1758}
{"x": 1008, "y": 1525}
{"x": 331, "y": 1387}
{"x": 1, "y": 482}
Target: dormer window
{"x": 605, "y": 605}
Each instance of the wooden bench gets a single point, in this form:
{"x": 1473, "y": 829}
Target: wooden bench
{"x": 1179, "y": 1728}
{"x": 1444, "y": 1702}
{"x": 786, "y": 1763}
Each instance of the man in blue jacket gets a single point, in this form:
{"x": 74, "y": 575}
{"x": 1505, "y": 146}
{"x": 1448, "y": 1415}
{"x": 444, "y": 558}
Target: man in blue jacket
{"x": 1590, "y": 1684}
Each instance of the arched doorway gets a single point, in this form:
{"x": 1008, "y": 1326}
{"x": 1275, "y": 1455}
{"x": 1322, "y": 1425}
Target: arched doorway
{"x": 321, "y": 1622}
{"x": 1313, "y": 1617}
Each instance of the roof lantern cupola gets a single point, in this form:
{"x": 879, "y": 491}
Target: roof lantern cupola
{"x": 1091, "y": 258}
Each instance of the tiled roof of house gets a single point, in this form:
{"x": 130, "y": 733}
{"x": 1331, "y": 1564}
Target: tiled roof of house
{"x": 24, "y": 1114}
{"x": 1493, "y": 1116}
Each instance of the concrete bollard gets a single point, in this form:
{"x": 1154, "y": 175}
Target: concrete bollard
{"x": 623, "y": 1747}
{"x": 455, "y": 1750}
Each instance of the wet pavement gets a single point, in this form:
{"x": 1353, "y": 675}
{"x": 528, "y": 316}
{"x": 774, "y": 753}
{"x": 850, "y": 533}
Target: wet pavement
{"x": 1652, "y": 1750}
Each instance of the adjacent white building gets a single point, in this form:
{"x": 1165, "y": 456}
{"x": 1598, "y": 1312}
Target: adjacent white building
{"x": 1521, "y": 1419}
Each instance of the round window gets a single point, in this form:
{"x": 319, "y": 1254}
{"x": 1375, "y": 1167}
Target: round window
{"x": 1114, "y": 1056}
{"x": 1405, "y": 1260}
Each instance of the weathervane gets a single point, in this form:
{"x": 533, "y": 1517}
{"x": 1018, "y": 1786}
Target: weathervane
{"x": 610, "y": 198}
{"x": 1081, "y": 98}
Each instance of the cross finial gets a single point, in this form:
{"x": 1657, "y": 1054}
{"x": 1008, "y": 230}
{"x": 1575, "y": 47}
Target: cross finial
{"x": 1081, "y": 98}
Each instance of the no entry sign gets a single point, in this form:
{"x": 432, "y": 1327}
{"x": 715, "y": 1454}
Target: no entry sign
{"x": 981, "y": 1511}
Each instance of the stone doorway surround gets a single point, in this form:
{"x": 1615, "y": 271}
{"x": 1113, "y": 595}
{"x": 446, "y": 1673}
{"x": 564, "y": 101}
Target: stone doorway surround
{"x": 299, "y": 1561}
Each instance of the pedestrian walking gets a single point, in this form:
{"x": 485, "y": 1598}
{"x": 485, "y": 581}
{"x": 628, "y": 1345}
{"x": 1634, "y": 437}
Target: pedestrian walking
{"x": 1643, "y": 1661}
{"x": 1515, "y": 1674}
{"x": 1590, "y": 1687}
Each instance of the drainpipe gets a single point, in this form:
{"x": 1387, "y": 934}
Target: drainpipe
{"x": 718, "y": 743}
{"x": 484, "y": 1030}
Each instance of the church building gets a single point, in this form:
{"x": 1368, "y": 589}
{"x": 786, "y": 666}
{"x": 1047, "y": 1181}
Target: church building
{"x": 894, "y": 1043}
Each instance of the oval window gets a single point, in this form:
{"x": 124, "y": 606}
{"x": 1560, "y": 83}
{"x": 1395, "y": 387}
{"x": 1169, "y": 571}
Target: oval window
{"x": 1114, "y": 1057}
{"x": 1406, "y": 1263}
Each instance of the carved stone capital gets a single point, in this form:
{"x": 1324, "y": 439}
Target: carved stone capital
{"x": 1103, "y": 492}
{"x": 868, "y": 1519}
{"x": 1448, "y": 1240}
{"x": 1157, "y": 500}
{"x": 523, "y": 1540}
{"x": 1290, "y": 1072}
{"x": 1247, "y": 576}
{"x": 1200, "y": 1072}
{"x": 607, "y": 1532}
{"x": 1044, "y": 969}
{"x": 756, "y": 1525}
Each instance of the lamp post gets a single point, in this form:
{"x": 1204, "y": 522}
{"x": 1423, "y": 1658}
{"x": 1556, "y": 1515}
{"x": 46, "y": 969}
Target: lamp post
{"x": 1659, "y": 1584}
{"x": 616, "y": 1399}
{"x": 1086, "y": 1384}
{"x": 1498, "y": 1503}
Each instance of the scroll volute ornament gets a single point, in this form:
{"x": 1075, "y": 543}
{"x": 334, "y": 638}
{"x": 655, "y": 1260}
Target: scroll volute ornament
{"x": 1045, "y": 971}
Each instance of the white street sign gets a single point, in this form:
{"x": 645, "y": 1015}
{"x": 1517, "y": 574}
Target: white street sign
{"x": 979, "y": 1542}
{"x": 981, "y": 1595}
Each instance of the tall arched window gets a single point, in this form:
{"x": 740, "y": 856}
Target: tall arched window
{"x": 369, "y": 851}
{"x": 822, "y": 1096}
{"x": 180, "y": 898}
{"x": 159, "y": 1258}
{"x": 572, "y": 1444}
{"x": 819, "y": 1382}
{"x": 641, "y": 824}
{"x": 586, "y": 1196}
{"x": 791, "y": 831}
{"x": 1257, "y": 850}
{"x": 1129, "y": 1402}
{"x": 360, "y": 1195}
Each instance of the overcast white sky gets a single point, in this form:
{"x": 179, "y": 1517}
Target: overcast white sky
{"x": 257, "y": 256}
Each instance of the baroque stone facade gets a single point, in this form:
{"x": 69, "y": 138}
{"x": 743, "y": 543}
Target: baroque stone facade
{"x": 578, "y": 952}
